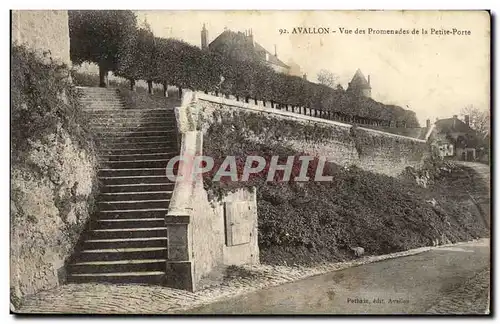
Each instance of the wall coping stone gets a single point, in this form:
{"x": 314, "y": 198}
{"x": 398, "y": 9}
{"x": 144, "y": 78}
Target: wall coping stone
{"x": 253, "y": 107}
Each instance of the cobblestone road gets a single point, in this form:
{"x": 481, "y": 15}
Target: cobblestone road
{"x": 136, "y": 299}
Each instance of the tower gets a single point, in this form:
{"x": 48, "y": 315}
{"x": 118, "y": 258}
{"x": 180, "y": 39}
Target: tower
{"x": 359, "y": 85}
{"x": 204, "y": 38}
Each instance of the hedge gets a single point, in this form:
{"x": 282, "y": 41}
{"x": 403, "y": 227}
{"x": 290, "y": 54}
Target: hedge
{"x": 174, "y": 62}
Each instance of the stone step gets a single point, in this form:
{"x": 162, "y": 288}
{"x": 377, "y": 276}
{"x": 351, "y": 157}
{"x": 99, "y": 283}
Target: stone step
{"x": 133, "y": 204}
{"x": 135, "y": 133}
{"x": 131, "y": 164}
{"x": 123, "y": 116}
{"x": 103, "y": 106}
{"x": 103, "y": 223}
{"x": 135, "y": 139}
{"x": 128, "y": 232}
{"x": 96, "y": 95}
{"x": 133, "y": 214}
{"x": 151, "y": 277}
{"x": 134, "y": 196}
{"x": 123, "y": 254}
{"x": 138, "y": 242}
{"x": 120, "y": 121}
{"x": 135, "y": 151}
{"x": 111, "y": 97}
{"x": 136, "y": 156}
{"x": 132, "y": 125}
{"x": 100, "y": 99}
{"x": 167, "y": 144}
{"x": 165, "y": 126}
{"x": 118, "y": 266}
{"x": 124, "y": 176}
{"x": 127, "y": 112}
{"x": 137, "y": 187}
{"x": 160, "y": 127}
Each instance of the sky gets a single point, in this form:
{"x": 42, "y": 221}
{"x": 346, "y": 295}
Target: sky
{"x": 433, "y": 75}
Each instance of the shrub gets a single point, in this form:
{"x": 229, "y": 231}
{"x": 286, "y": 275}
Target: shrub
{"x": 54, "y": 171}
{"x": 84, "y": 79}
{"x": 42, "y": 100}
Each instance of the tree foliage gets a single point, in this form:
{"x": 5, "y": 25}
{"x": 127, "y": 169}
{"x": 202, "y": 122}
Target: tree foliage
{"x": 479, "y": 119}
{"x": 99, "y": 36}
{"x": 327, "y": 78}
{"x": 224, "y": 69}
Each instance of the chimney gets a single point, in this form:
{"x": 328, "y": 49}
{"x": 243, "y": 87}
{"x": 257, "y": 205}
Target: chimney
{"x": 204, "y": 38}
{"x": 467, "y": 120}
{"x": 250, "y": 35}
{"x": 275, "y": 52}
{"x": 368, "y": 79}
{"x": 304, "y": 76}
{"x": 428, "y": 123}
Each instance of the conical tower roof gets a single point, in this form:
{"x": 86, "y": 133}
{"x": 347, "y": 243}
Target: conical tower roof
{"x": 359, "y": 81}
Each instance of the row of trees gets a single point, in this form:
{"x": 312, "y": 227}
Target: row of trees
{"x": 112, "y": 40}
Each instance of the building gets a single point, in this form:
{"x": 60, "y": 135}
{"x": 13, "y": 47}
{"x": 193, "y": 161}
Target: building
{"x": 359, "y": 85}
{"x": 44, "y": 31}
{"x": 454, "y": 139}
{"x": 243, "y": 46}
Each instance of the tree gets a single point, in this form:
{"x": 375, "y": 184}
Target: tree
{"x": 479, "y": 120}
{"x": 99, "y": 36}
{"x": 327, "y": 78}
{"x": 137, "y": 60}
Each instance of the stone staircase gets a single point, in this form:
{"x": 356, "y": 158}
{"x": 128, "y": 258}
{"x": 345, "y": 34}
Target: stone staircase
{"x": 127, "y": 238}
{"x": 100, "y": 98}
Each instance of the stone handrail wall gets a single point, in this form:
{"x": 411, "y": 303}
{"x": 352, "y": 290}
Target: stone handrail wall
{"x": 341, "y": 143}
{"x": 197, "y": 253}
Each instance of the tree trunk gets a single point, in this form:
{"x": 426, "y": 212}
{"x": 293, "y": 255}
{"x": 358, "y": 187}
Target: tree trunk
{"x": 103, "y": 77}
{"x": 180, "y": 92}
{"x": 132, "y": 85}
{"x": 150, "y": 87}
{"x": 165, "y": 89}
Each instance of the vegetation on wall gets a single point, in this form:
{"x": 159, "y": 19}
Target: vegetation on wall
{"x": 308, "y": 222}
{"x": 42, "y": 101}
{"x": 53, "y": 171}
{"x": 367, "y": 143}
